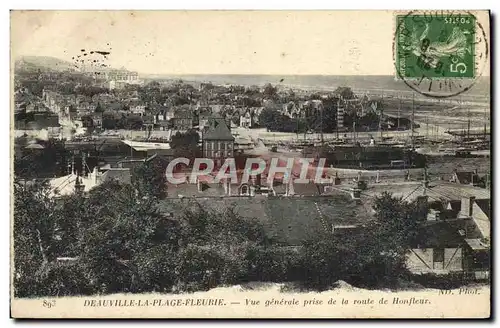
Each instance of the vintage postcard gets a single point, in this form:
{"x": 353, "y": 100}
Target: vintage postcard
{"x": 250, "y": 164}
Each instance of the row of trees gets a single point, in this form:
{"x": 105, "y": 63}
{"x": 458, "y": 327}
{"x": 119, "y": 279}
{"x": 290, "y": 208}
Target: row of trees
{"x": 325, "y": 120}
{"x": 122, "y": 238}
{"x": 312, "y": 119}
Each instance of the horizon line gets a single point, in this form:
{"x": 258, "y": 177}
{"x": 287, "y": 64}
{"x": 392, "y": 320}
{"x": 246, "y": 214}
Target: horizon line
{"x": 19, "y": 56}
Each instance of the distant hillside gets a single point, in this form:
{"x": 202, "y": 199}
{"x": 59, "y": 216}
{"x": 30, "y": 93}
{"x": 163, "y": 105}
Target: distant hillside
{"x": 42, "y": 63}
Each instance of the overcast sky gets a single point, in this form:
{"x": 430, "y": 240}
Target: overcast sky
{"x": 274, "y": 42}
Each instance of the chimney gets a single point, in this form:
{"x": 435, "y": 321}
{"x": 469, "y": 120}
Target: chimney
{"x": 258, "y": 179}
{"x": 466, "y": 205}
{"x": 228, "y": 183}
{"x": 198, "y": 183}
{"x": 337, "y": 179}
{"x": 473, "y": 177}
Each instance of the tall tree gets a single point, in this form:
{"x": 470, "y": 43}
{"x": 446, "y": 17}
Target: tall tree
{"x": 270, "y": 118}
{"x": 186, "y": 144}
{"x": 397, "y": 223}
{"x": 149, "y": 178}
{"x": 117, "y": 231}
{"x": 269, "y": 91}
{"x": 345, "y": 92}
{"x": 372, "y": 256}
{"x": 34, "y": 233}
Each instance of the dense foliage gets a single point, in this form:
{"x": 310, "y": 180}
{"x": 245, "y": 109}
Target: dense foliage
{"x": 186, "y": 144}
{"x": 49, "y": 161}
{"x": 116, "y": 239}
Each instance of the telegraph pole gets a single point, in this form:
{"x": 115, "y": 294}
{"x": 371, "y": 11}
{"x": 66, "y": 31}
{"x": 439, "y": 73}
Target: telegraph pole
{"x": 468, "y": 121}
{"x": 354, "y": 130}
{"x": 322, "y": 140}
{"x": 399, "y": 111}
{"x": 337, "y": 120}
{"x": 381, "y": 116}
{"x": 427, "y": 126}
{"x": 485, "y": 120}
{"x": 297, "y": 128}
{"x": 412, "y": 120}
{"x": 484, "y": 132}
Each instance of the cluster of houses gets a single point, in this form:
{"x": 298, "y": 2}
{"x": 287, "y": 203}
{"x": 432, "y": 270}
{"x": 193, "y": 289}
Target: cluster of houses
{"x": 361, "y": 106}
{"x": 30, "y": 114}
{"x": 84, "y": 111}
{"x": 453, "y": 238}
{"x": 186, "y": 117}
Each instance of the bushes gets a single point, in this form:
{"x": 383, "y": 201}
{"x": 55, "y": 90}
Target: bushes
{"x": 321, "y": 264}
{"x": 54, "y": 279}
{"x": 197, "y": 268}
{"x": 156, "y": 269}
{"x": 234, "y": 264}
{"x": 124, "y": 244}
{"x": 208, "y": 266}
{"x": 272, "y": 263}
{"x": 382, "y": 271}
{"x": 26, "y": 284}
{"x": 64, "y": 279}
{"x": 358, "y": 258}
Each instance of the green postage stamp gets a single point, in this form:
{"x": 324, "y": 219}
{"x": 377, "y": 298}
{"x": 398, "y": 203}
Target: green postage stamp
{"x": 435, "y": 46}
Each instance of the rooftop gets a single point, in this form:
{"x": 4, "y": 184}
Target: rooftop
{"x": 145, "y": 146}
{"x": 290, "y": 220}
{"x": 437, "y": 190}
{"x": 120, "y": 174}
{"x": 217, "y": 130}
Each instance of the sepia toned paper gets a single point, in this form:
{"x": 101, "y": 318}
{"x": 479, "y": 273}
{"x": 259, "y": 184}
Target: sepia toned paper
{"x": 234, "y": 300}
{"x": 308, "y": 52}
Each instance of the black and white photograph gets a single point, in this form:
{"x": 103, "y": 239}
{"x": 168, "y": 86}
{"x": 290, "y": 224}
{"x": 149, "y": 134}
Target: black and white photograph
{"x": 250, "y": 164}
